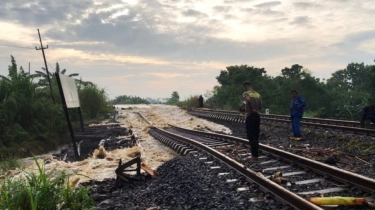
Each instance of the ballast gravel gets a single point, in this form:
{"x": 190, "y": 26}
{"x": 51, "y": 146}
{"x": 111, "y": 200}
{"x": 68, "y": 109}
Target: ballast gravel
{"x": 185, "y": 182}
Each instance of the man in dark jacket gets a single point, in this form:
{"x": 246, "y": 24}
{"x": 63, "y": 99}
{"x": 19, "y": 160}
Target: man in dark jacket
{"x": 296, "y": 112}
{"x": 200, "y": 101}
{"x": 253, "y": 105}
{"x": 368, "y": 116}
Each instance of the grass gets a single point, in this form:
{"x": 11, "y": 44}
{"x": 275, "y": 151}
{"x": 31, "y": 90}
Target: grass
{"x": 191, "y": 102}
{"x": 40, "y": 191}
{"x": 9, "y": 163}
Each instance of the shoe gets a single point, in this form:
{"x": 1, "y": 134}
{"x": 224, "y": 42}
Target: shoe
{"x": 251, "y": 158}
{"x": 292, "y": 138}
{"x": 362, "y": 124}
{"x": 367, "y": 124}
{"x": 298, "y": 138}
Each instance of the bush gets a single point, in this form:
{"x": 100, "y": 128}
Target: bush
{"x": 93, "y": 101}
{"x": 43, "y": 192}
{"x": 191, "y": 102}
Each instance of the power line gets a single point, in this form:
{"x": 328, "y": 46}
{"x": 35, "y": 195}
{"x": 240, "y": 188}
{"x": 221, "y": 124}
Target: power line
{"x": 7, "y": 58}
{"x": 49, "y": 63}
{"x": 51, "y": 66}
{"x": 16, "y": 46}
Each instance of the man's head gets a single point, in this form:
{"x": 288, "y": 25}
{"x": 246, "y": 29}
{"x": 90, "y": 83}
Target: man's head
{"x": 247, "y": 86}
{"x": 294, "y": 94}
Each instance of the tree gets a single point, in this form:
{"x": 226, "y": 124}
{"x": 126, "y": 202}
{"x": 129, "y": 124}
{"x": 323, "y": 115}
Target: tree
{"x": 124, "y": 99}
{"x": 228, "y": 95}
{"x": 175, "y": 97}
{"x": 371, "y": 69}
{"x": 294, "y": 72}
{"x": 352, "y": 89}
{"x": 44, "y": 80}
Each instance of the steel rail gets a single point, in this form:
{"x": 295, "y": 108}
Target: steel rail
{"x": 241, "y": 119}
{"x": 364, "y": 183}
{"x": 346, "y": 123}
{"x": 148, "y": 122}
{"x": 279, "y": 192}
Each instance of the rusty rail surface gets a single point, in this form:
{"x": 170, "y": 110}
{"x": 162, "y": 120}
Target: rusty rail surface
{"x": 279, "y": 192}
{"x": 311, "y": 122}
{"x": 346, "y": 123}
{"x": 364, "y": 183}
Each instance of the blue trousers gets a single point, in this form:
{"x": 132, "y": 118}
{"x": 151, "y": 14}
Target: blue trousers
{"x": 296, "y": 126}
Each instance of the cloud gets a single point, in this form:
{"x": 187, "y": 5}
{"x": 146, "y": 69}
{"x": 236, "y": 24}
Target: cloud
{"x": 279, "y": 20}
{"x": 236, "y": 1}
{"x": 305, "y": 5}
{"x": 193, "y": 13}
{"x": 361, "y": 36}
{"x": 301, "y": 20}
{"x": 222, "y": 8}
{"x": 268, "y": 4}
{"x": 247, "y": 9}
{"x": 168, "y": 75}
{"x": 42, "y": 12}
{"x": 141, "y": 42}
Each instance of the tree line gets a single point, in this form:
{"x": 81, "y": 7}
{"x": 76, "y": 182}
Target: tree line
{"x": 342, "y": 96}
{"x": 30, "y": 122}
{"x": 124, "y": 99}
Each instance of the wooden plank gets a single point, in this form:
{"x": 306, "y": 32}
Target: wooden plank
{"x": 148, "y": 170}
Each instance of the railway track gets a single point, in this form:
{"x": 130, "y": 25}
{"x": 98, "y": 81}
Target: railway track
{"x": 301, "y": 177}
{"x": 346, "y": 126}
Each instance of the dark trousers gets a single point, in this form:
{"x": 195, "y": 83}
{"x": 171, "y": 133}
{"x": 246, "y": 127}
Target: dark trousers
{"x": 296, "y": 126}
{"x": 366, "y": 116}
{"x": 252, "y": 131}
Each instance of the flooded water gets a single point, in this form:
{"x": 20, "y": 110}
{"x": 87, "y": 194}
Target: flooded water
{"x": 153, "y": 153}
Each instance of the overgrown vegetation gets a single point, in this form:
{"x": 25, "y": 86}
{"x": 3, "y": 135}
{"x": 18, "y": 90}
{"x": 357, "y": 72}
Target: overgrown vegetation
{"x": 9, "y": 163}
{"x": 30, "y": 122}
{"x": 342, "y": 96}
{"x": 39, "y": 191}
{"x": 124, "y": 99}
{"x": 190, "y": 102}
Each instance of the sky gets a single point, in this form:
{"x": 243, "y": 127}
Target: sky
{"x": 150, "y": 48}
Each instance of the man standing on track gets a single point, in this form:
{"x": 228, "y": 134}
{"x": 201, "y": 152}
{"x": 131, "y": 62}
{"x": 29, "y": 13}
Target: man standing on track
{"x": 296, "y": 112}
{"x": 253, "y": 102}
{"x": 368, "y": 116}
{"x": 200, "y": 101}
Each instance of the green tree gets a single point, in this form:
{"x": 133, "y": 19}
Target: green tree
{"x": 371, "y": 69}
{"x": 29, "y": 121}
{"x": 175, "y": 98}
{"x": 351, "y": 88}
{"x": 229, "y": 94}
{"x": 43, "y": 81}
{"x": 124, "y": 99}
{"x": 294, "y": 72}
{"x": 27, "y": 118}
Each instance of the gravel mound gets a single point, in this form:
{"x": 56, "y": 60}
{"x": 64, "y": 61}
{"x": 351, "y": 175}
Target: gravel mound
{"x": 185, "y": 182}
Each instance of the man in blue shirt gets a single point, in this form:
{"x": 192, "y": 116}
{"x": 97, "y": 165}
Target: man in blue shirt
{"x": 296, "y": 112}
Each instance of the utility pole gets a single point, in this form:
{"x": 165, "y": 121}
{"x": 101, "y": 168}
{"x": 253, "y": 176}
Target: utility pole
{"x": 45, "y": 63}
